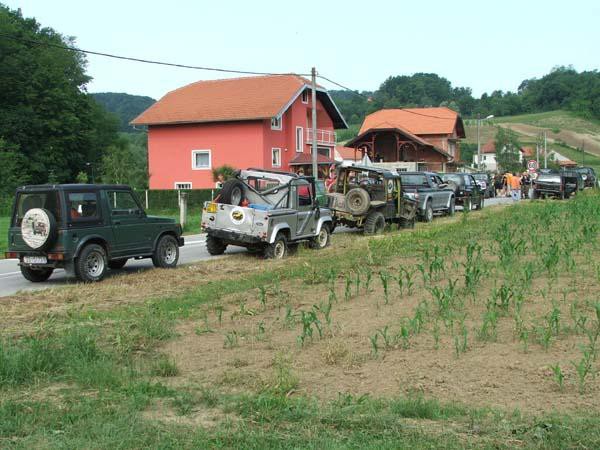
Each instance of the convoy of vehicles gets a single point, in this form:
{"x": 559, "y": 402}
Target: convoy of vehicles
{"x": 486, "y": 183}
{"x": 87, "y": 229}
{"x": 467, "y": 192}
{"x": 369, "y": 198}
{"x": 430, "y": 192}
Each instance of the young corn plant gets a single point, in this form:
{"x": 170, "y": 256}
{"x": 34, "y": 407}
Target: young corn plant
{"x": 461, "y": 339}
{"x": 385, "y": 281}
{"x": 231, "y": 340}
{"x": 583, "y": 367}
{"x": 262, "y": 297}
{"x": 374, "y": 344}
{"x": 408, "y": 280}
{"x": 488, "y": 330}
{"x": 388, "y": 340}
{"x": 368, "y": 279}
{"x": 309, "y": 320}
{"x": 435, "y": 332}
{"x": 559, "y": 376}
{"x": 348, "y": 289}
{"x": 404, "y": 334}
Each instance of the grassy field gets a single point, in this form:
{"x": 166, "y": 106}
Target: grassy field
{"x": 3, "y": 235}
{"x": 420, "y": 339}
{"x": 557, "y": 120}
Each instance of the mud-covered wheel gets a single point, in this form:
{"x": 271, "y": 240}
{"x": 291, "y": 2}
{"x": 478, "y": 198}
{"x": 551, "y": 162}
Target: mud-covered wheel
{"x": 166, "y": 253}
{"x": 232, "y": 192}
{"x": 215, "y": 246}
{"x": 91, "y": 264}
{"x": 358, "y": 201}
{"x": 428, "y": 213}
{"x": 322, "y": 239}
{"x": 452, "y": 207}
{"x": 36, "y": 275}
{"x": 278, "y": 249}
{"x": 375, "y": 223}
{"x": 117, "y": 264}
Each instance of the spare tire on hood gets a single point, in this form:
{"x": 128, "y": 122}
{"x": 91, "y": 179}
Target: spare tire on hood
{"x": 232, "y": 192}
{"x": 38, "y": 228}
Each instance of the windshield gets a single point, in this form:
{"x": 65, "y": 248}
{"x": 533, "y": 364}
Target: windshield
{"x": 550, "y": 177}
{"x": 415, "y": 180}
{"x": 480, "y": 176}
{"x": 458, "y": 179}
{"x": 46, "y": 200}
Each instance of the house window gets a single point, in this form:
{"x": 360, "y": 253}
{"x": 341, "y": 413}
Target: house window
{"x": 305, "y": 96}
{"x": 186, "y": 185}
{"x": 276, "y": 123}
{"x": 324, "y": 151}
{"x": 299, "y": 139}
{"x": 201, "y": 160}
{"x": 452, "y": 147}
{"x": 276, "y": 157}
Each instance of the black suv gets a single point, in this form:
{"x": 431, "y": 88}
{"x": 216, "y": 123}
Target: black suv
{"x": 85, "y": 229}
{"x": 589, "y": 176}
{"x": 557, "y": 184}
{"x": 486, "y": 183}
{"x": 466, "y": 190}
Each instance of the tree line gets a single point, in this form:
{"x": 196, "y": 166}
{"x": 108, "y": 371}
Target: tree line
{"x": 562, "y": 88}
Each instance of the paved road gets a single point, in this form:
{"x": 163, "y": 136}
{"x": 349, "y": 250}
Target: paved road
{"x": 194, "y": 250}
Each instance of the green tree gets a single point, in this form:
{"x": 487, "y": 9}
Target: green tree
{"x": 507, "y": 150}
{"x": 49, "y": 122}
{"x": 225, "y": 170}
{"x": 124, "y": 162}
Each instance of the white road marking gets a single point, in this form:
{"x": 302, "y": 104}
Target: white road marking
{"x": 9, "y": 274}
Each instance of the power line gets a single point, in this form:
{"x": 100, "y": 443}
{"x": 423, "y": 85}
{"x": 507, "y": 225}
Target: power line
{"x": 186, "y": 66}
{"x": 145, "y": 61}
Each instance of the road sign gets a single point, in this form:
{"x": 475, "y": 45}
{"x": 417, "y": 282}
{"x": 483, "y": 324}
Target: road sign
{"x": 532, "y": 165}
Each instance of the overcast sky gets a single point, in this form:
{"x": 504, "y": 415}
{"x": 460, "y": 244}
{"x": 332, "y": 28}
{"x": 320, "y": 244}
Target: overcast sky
{"x": 481, "y": 44}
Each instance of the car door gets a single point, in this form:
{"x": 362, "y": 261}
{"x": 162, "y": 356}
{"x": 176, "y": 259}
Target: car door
{"x": 475, "y": 190}
{"x": 133, "y": 234}
{"x": 303, "y": 198}
{"x": 435, "y": 192}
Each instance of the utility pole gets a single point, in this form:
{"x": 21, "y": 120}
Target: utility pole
{"x": 478, "y": 142}
{"x": 582, "y": 152}
{"x": 315, "y": 170}
{"x": 537, "y": 153}
{"x": 545, "y": 152}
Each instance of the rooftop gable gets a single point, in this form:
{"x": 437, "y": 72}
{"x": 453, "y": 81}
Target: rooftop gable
{"x": 234, "y": 99}
{"x": 418, "y": 121}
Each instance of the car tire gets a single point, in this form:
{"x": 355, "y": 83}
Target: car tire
{"x": 215, "y": 246}
{"x": 321, "y": 240}
{"x": 428, "y": 213}
{"x": 166, "y": 254}
{"x": 117, "y": 264}
{"x": 232, "y": 192}
{"x": 481, "y": 203}
{"x": 91, "y": 264}
{"x": 451, "y": 206}
{"x": 375, "y": 223}
{"x": 36, "y": 275}
{"x": 358, "y": 201}
{"x": 278, "y": 249}
{"x": 50, "y": 228}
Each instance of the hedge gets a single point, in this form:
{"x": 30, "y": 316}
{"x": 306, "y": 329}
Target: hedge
{"x": 169, "y": 198}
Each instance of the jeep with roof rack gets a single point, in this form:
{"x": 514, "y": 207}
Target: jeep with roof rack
{"x": 369, "y": 198}
{"x": 267, "y": 212}
{"x": 86, "y": 229}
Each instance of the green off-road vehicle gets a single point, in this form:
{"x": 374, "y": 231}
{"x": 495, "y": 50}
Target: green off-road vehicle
{"x": 369, "y": 198}
{"x": 85, "y": 229}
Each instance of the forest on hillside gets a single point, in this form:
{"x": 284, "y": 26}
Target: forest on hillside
{"x": 127, "y": 107}
{"x": 562, "y": 88}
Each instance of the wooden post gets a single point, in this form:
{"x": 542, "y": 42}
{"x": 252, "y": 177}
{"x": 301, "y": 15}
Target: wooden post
{"x": 183, "y": 208}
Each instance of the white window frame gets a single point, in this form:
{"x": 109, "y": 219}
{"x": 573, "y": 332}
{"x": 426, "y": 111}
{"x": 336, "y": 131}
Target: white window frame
{"x": 278, "y": 123}
{"x": 300, "y": 145}
{"x": 183, "y": 182}
{"x": 304, "y": 96}
{"x": 278, "y": 150}
{"x": 195, "y": 152}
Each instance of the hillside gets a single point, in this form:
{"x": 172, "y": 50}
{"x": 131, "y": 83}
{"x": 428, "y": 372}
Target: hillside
{"x": 125, "y": 106}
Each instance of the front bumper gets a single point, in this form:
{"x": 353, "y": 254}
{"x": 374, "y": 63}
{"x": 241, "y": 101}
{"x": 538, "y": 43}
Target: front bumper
{"x": 180, "y": 241}
{"x": 233, "y": 237}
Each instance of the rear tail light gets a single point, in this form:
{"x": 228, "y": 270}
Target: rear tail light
{"x": 56, "y": 256}
{"x": 11, "y": 255}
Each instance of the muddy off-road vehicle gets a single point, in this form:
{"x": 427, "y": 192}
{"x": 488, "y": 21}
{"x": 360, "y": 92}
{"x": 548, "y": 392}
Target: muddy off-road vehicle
{"x": 369, "y": 198}
{"x": 86, "y": 229}
{"x": 467, "y": 191}
{"x": 267, "y": 212}
{"x": 430, "y": 192}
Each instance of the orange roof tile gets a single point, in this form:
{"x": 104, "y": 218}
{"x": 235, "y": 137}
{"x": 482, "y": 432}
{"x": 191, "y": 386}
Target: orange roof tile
{"x": 527, "y": 151}
{"x": 419, "y": 121}
{"x": 489, "y": 147}
{"x": 247, "y": 98}
{"x": 348, "y": 153}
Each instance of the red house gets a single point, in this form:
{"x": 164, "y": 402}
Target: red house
{"x": 244, "y": 122}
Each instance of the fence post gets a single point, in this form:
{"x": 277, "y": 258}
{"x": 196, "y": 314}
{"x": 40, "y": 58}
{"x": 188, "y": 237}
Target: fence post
{"x": 147, "y": 207}
{"x": 183, "y": 208}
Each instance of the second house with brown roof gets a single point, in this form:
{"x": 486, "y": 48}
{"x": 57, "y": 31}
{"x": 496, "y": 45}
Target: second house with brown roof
{"x": 262, "y": 122}
{"x": 411, "y": 138}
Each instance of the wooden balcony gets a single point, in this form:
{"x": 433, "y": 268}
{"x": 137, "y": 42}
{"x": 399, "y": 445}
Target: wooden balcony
{"x": 324, "y": 137}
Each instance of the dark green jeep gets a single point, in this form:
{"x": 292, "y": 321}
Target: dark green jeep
{"x": 85, "y": 228}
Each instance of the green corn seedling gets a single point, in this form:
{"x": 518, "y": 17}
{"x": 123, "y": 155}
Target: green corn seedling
{"x": 374, "y": 346}
{"x": 559, "y": 376}
{"x": 385, "y": 278}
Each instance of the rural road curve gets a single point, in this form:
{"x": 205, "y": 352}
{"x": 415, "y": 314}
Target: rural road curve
{"x": 11, "y": 280}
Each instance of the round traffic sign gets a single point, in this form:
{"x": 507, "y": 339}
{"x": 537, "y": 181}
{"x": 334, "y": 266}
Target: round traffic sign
{"x": 532, "y": 165}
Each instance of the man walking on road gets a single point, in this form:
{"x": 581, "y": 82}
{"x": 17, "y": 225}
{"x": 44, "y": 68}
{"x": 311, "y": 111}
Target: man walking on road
{"x": 515, "y": 187}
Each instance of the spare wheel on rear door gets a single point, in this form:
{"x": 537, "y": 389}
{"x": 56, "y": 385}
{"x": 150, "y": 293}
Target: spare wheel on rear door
{"x": 358, "y": 201}
{"x": 38, "y": 228}
{"x": 232, "y": 192}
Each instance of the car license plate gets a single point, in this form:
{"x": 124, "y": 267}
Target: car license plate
{"x": 35, "y": 259}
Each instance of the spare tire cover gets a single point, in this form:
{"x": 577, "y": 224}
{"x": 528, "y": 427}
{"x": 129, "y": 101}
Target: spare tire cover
{"x": 38, "y": 228}
{"x": 358, "y": 201}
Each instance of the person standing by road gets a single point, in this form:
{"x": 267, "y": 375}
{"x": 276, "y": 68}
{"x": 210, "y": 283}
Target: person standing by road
{"x": 515, "y": 187}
